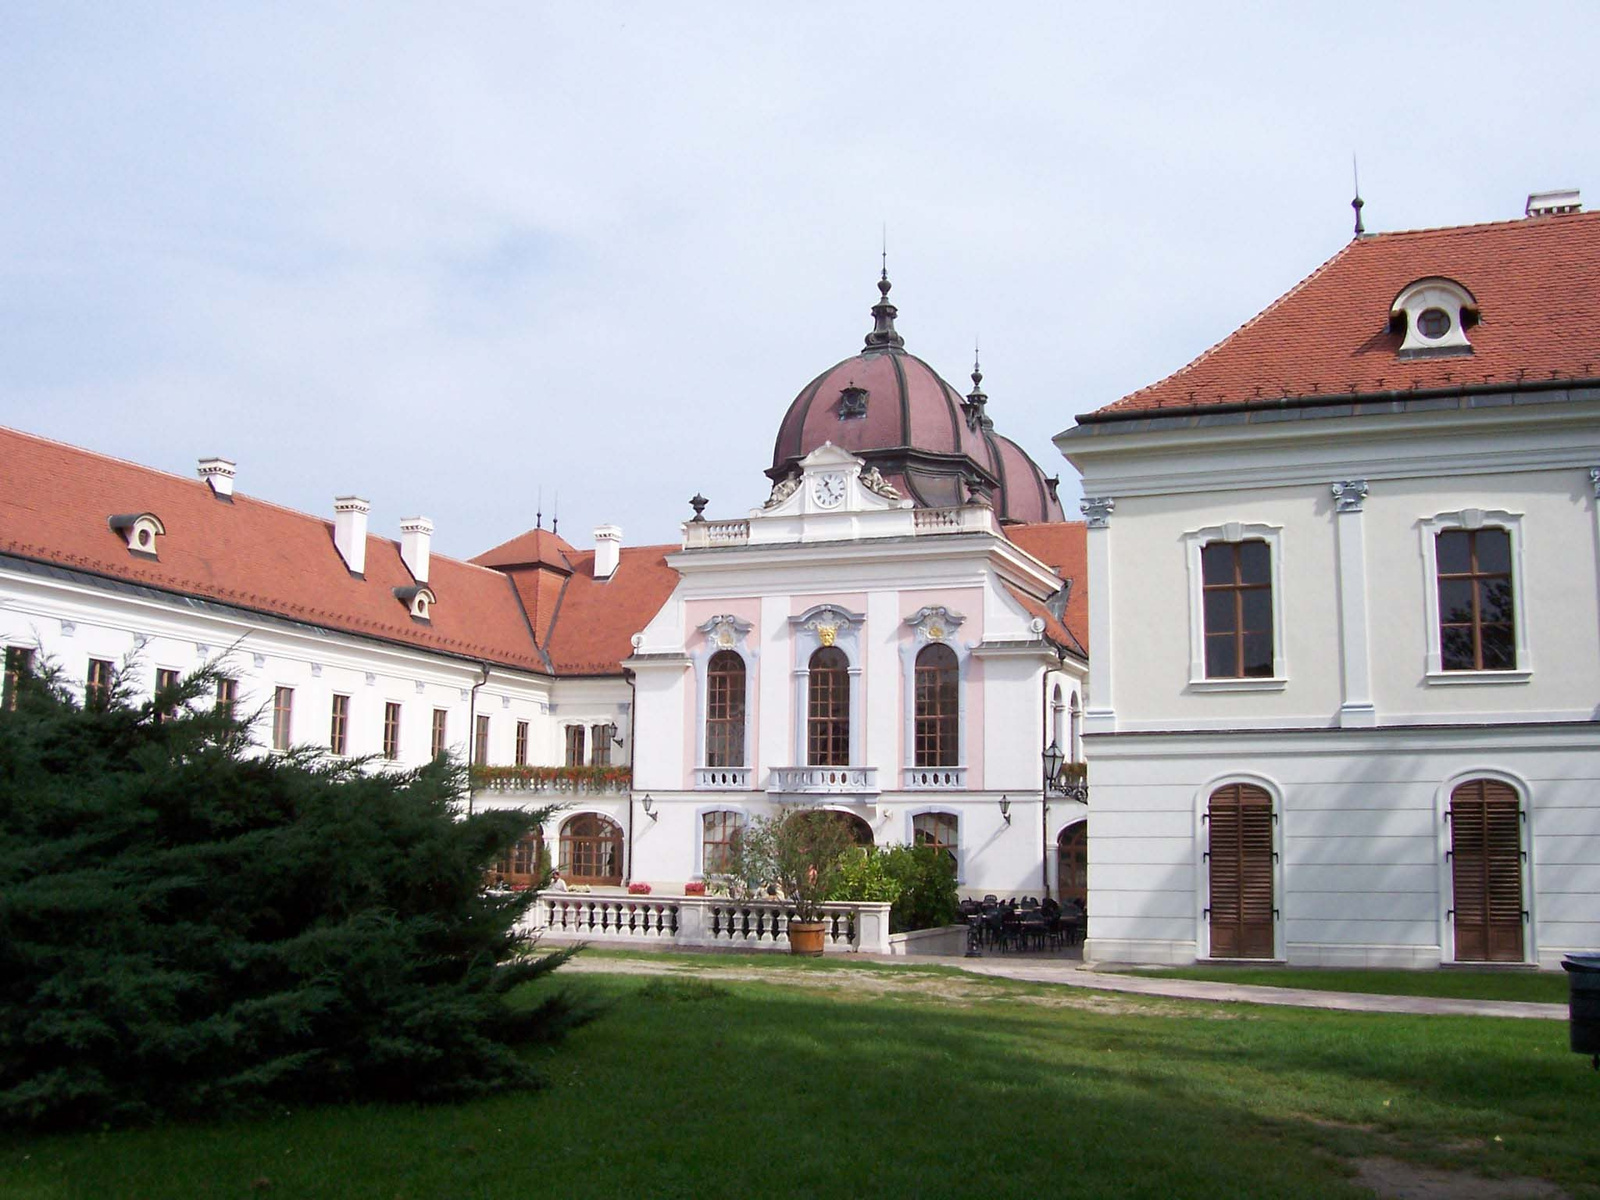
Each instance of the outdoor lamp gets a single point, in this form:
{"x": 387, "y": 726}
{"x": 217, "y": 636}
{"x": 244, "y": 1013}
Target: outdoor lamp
{"x": 649, "y": 806}
{"x": 1053, "y": 758}
{"x": 1005, "y": 808}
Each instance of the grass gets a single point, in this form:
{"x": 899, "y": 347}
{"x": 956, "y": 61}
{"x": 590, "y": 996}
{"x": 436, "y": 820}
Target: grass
{"x": 937, "y": 1087}
{"x": 1540, "y": 987}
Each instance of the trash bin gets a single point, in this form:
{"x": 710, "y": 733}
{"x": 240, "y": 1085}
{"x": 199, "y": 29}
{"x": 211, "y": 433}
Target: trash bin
{"x": 1583, "y": 1003}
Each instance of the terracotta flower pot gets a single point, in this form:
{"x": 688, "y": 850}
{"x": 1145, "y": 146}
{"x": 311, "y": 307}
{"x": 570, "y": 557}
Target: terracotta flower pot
{"x": 805, "y": 937}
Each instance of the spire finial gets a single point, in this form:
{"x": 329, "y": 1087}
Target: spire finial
{"x": 538, "y": 515}
{"x": 884, "y": 336}
{"x": 977, "y": 417}
{"x": 1358, "y": 203}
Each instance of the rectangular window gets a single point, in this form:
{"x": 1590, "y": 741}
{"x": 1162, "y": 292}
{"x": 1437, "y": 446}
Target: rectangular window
{"x": 522, "y": 744}
{"x": 339, "y": 730}
{"x": 1237, "y": 595}
{"x": 391, "y": 730}
{"x": 282, "y": 718}
{"x": 441, "y": 735}
{"x": 1476, "y": 606}
{"x": 600, "y": 747}
{"x": 480, "y": 741}
{"x": 166, "y": 678}
{"x": 574, "y": 745}
{"x": 97, "y": 687}
{"x": 227, "y": 694}
{"x": 19, "y": 662}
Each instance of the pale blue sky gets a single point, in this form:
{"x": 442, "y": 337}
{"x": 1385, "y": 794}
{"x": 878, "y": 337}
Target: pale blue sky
{"x": 444, "y": 256}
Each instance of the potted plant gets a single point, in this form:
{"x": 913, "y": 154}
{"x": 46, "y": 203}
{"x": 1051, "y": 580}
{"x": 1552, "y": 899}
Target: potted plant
{"x": 798, "y": 851}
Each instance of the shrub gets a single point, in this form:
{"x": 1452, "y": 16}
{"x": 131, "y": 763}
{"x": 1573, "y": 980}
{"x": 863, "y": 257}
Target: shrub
{"x": 928, "y": 896}
{"x": 864, "y": 875}
{"x": 188, "y": 926}
{"x": 797, "y": 850}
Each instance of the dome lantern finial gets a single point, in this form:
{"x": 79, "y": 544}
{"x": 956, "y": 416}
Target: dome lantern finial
{"x": 884, "y": 336}
{"x": 977, "y": 399}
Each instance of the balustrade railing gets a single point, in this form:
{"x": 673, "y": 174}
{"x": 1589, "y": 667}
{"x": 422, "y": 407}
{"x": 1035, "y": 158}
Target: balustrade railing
{"x": 934, "y": 779}
{"x": 566, "y": 780}
{"x": 824, "y": 781}
{"x": 722, "y": 779}
{"x": 716, "y": 533}
{"x": 939, "y": 520}
{"x": 702, "y": 922}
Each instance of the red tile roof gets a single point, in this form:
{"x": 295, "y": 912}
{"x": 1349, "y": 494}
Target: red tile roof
{"x": 594, "y": 622}
{"x": 1536, "y": 281}
{"x": 55, "y": 500}
{"x": 1063, "y": 546}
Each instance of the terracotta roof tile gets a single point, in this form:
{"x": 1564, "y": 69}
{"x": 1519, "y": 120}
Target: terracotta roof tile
{"x": 1063, "y": 546}
{"x": 1536, "y": 281}
{"x": 55, "y": 500}
{"x": 595, "y": 620}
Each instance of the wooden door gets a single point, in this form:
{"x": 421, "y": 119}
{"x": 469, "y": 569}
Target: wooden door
{"x": 1072, "y": 864}
{"x": 1240, "y": 825}
{"x": 1486, "y": 870}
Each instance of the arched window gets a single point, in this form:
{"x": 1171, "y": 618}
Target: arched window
{"x": 1072, "y": 863}
{"x": 725, "y": 710}
{"x": 719, "y": 833}
{"x": 1058, "y": 712}
{"x": 828, "y": 709}
{"x": 1074, "y": 746}
{"x": 591, "y": 850}
{"x": 938, "y": 830}
{"x": 520, "y": 867}
{"x": 938, "y": 717}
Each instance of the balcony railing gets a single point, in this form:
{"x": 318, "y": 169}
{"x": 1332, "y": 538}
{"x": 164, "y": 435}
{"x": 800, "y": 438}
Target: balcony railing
{"x": 722, "y": 779}
{"x": 1072, "y": 782}
{"x": 934, "y": 779}
{"x": 561, "y": 780}
{"x": 716, "y": 533}
{"x": 824, "y": 781}
{"x": 702, "y": 921}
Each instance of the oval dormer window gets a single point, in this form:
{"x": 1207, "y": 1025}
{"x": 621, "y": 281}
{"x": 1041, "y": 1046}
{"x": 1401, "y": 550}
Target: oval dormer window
{"x": 139, "y": 530}
{"x": 1433, "y": 315}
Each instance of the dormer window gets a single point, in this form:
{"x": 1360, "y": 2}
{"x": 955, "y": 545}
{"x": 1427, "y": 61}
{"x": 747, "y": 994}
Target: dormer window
{"x": 852, "y": 402}
{"x": 419, "y": 601}
{"x": 1434, "y": 315}
{"x": 140, "y": 531}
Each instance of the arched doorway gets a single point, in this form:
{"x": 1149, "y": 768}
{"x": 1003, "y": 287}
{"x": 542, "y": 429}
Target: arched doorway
{"x": 591, "y": 850}
{"x": 1486, "y": 871}
{"x": 1242, "y": 906}
{"x": 1072, "y": 864}
{"x": 860, "y": 831}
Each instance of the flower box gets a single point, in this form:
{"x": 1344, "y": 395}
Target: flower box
{"x": 638, "y": 889}
{"x": 697, "y": 888}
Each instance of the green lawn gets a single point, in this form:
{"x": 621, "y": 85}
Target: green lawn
{"x": 863, "y": 1081}
{"x": 1542, "y": 987}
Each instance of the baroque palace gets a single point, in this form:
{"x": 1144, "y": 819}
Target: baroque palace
{"x": 1322, "y": 662}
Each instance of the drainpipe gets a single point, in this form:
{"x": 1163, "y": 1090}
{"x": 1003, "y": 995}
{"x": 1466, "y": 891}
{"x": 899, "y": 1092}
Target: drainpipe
{"x": 472, "y": 730}
{"x": 633, "y": 726}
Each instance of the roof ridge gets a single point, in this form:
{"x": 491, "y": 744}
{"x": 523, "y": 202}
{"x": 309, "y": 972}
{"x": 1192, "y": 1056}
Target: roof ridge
{"x": 1255, "y": 320}
{"x": 237, "y": 497}
{"x": 1480, "y": 226}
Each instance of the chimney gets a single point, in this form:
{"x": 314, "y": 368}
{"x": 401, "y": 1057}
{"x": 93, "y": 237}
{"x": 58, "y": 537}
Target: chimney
{"x": 219, "y": 473}
{"x": 350, "y": 531}
{"x": 416, "y": 540}
{"x": 607, "y": 551}
{"x": 1553, "y": 204}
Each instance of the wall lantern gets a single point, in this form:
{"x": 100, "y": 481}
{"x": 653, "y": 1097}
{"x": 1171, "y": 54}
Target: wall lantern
{"x": 649, "y": 808}
{"x": 1005, "y": 808}
{"x": 1053, "y": 758}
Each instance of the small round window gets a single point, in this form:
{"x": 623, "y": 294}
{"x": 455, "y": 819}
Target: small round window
{"x": 1433, "y": 323}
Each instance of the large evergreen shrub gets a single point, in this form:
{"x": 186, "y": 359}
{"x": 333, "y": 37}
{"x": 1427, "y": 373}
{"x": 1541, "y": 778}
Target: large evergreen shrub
{"x": 189, "y": 926}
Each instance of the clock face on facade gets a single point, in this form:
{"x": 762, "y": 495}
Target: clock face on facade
{"x": 828, "y": 490}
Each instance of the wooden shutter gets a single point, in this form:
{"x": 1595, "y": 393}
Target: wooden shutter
{"x": 1486, "y": 871}
{"x": 1240, "y": 824}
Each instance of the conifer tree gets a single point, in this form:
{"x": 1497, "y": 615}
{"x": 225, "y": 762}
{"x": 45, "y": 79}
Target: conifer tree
{"x": 191, "y": 926}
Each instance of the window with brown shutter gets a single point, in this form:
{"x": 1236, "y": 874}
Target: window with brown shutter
{"x": 1486, "y": 871}
{"x": 282, "y": 718}
{"x": 19, "y": 662}
{"x": 1239, "y": 821}
{"x": 97, "y": 686}
{"x": 391, "y": 729}
{"x": 521, "y": 757}
{"x": 339, "y": 725}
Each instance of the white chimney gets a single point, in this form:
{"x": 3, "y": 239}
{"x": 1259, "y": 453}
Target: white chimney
{"x": 219, "y": 473}
{"x": 416, "y": 540}
{"x": 607, "y": 551}
{"x": 350, "y": 531}
{"x": 1554, "y": 204}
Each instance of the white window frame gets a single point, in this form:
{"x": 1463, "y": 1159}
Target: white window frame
{"x": 724, "y": 632}
{"x": 1472, "y": 519}
{"x": 1233, "y": 532}
{"x": 700, "y": 831}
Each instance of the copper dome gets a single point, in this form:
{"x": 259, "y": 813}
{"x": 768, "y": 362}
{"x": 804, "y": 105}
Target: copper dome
{"x": 892, "y": 409}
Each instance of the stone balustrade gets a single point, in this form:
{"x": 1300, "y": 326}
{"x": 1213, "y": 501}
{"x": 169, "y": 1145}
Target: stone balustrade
{"x": 824, "y": 781}
{"x": 716, "y": 533}
{"x": 701, "y": 922}
{"x": 722, "y": 779}
{"x": 933, "y": 779}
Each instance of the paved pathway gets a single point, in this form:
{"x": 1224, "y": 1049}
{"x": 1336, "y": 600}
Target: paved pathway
{"x": 1075, "y": 975}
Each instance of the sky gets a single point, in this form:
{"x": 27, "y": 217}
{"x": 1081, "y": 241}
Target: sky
{"x": 472, "y": 261}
